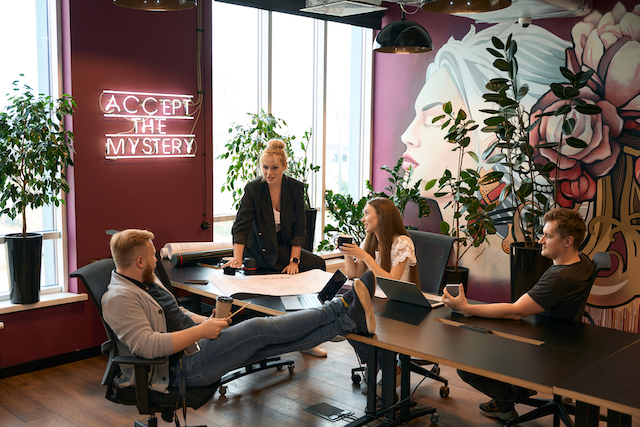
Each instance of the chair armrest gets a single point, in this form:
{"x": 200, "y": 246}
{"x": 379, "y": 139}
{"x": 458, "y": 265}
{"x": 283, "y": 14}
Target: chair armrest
{"x": 132, "y": 360}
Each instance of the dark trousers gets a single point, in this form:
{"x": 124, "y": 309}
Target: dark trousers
{"x": 500, "y": 391}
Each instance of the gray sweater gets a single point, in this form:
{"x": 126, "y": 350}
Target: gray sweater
{"x": 140, "y": 325}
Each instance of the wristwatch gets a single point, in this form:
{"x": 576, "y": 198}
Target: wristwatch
{"x": 296, "y": 260}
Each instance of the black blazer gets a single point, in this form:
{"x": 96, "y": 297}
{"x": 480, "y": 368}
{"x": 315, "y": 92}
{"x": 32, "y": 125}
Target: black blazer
{"x": 255, "y": 226}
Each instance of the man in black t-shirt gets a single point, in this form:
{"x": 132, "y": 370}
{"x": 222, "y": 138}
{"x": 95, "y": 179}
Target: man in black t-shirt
{"x": 557, "y": 294}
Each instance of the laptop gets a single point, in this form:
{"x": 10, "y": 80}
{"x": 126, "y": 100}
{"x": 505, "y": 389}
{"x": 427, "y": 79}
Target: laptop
{"x": 407, "y": 292}
{"x": 300, "y": 302}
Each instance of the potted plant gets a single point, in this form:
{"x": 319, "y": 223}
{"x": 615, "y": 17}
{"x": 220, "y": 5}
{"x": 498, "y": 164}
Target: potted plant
{"x": 513, "y": 154}
{"x": 471, "y": 221}
{"x": 348, "y": 213}
{"x": 35, "y": 149}
{"x": 245, "y": 149}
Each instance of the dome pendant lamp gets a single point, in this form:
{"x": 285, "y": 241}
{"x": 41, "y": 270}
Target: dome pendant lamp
{"x": 157, "y": 5}
{"x": 403, "y": 36}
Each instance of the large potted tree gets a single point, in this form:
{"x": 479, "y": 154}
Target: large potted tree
{"x": 245, "y": 148}
{"x": 471, "y": 221}
{"x": 515, "y": 155}
{"x": 36, "y": 149}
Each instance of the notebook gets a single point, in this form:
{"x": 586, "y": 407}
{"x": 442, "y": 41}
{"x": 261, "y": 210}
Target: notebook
{"x": 408, "y": 292}
{"x": 299, "y": 302}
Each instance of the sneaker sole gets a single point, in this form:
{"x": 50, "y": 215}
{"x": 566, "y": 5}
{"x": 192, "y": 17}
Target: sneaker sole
{"x": 505, "y": 416}
{"x": 365, "y": 300}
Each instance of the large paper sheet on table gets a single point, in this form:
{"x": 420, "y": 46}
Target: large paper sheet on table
{"x": 271, "y": 284}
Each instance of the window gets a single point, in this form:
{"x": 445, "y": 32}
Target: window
{"x": 313, "y": 74}
{"x": 29, "y": 39}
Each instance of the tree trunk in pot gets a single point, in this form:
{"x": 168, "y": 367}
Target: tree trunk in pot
{"x": 24, "y": 256}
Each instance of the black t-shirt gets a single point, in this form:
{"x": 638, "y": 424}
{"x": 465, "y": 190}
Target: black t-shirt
{"x": 561, "y": 288}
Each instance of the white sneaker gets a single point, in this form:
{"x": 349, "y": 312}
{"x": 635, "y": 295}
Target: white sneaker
{"x": 316, "y": 351}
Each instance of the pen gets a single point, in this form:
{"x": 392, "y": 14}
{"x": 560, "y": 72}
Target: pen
{"x": 207, "y": 265}
{"x": 236, "y": 312}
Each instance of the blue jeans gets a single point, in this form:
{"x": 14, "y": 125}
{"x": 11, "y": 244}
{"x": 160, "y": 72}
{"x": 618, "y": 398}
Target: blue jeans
{"x": 258, "y": 338}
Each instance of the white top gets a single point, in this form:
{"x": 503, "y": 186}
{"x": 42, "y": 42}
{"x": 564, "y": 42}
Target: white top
{"x": 402, "y": 248}
{"x": 276, "y": 217}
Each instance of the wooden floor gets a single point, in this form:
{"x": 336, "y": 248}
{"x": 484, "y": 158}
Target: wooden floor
{"x": 71, "y": 395}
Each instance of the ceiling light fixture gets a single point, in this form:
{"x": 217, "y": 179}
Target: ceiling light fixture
{"x": 157, "y": 5}
{"x": 464, "y": 6}
{"x": 403, "y": 36}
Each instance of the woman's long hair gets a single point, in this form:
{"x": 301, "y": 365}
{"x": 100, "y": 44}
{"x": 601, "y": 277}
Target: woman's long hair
{"x": 390, "y": 225}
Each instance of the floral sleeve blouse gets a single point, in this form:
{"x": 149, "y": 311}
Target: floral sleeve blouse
{"x": 401, "y": 249}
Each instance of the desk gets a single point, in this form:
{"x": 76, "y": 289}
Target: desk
{"x": 566, "y": 362}
{"x": 611, "y": 383}
{"x": 569, "y": 348}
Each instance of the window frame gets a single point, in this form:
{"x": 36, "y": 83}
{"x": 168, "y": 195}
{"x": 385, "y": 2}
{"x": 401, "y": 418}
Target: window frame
{"x": 317, "y": 186}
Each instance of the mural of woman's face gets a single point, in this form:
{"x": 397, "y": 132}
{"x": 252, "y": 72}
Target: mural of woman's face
{"x": 427, "y": 152}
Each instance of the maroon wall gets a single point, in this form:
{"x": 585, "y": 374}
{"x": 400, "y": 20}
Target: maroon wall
{"x": 118, "y": 49}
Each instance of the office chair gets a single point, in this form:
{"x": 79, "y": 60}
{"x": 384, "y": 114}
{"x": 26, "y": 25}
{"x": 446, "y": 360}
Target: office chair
{"x": 96, "y": 277}
{"x": 556, "y": 407}
{"x": 432, "y": 254}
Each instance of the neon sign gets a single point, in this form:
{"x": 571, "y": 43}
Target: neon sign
{"x": 159, "y": 122}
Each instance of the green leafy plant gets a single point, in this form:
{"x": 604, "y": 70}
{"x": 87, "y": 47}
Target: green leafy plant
{"x": 512, "y": 126}
{"x": 35, "y": 149}
{"x": 463, "y": 188}
{"x": 400, "y": 192}
{"x": 246, "y": 146}
{"x": 348, "y": 213}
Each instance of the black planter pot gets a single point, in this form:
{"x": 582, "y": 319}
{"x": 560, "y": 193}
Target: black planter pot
{"x": 24, "y": 256}
{"x": 527, "y": 266}
{"x": 312, "y": 214}
{"x": 461, "y": 275}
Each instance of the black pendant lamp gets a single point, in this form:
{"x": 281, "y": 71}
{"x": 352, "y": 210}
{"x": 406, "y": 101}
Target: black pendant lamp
{"x": 464, "y": 6}
{"x": 403, "y": 36}
{"x": 157, "y": 5}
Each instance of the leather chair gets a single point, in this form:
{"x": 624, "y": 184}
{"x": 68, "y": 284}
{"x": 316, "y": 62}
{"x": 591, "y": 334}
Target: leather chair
{"x": 432, "y": 252}
{"x": 96, "y": 277}
{"x": 556, "y": 406}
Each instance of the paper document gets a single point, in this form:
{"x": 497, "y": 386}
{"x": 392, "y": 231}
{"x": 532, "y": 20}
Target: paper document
{"x": 308, "y": 282}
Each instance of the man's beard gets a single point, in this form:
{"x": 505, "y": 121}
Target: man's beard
{"x": 147, "y": 275}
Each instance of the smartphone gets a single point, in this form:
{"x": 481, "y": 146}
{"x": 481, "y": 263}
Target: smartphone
{"x": 454, "y": 290}
{"x": 192, "y": 349}
{"x": 195, "y": 281}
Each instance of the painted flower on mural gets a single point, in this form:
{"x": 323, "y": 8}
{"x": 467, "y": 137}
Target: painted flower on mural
{"x": 609, "y": 45}
{"x": 577, "y": 168}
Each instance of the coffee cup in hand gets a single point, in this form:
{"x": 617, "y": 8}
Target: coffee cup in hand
{"x": 223, "y": 307}
{"x": 344, "y": 238}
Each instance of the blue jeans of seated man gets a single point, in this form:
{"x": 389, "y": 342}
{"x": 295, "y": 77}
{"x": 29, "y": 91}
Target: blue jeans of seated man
{"x": 258, "y": 338}
{"x": 500, "y": 391}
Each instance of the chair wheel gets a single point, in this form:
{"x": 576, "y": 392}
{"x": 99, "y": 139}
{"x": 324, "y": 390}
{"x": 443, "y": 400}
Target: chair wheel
{"x": 355, "y": 378}
{"x": 444, "y": 391}
{"x": 223, "y": 390}
{"x": 434, "y": 418}
{"x": 278, "y": 368}
{"x": 291, "y": 368}
{"x": 437, "y": 372}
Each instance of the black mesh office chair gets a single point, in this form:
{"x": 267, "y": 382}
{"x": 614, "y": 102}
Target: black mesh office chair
{"x": 432, "y": 254}
{"x": 96, "y": 277}
{"x": 556, "y": 407}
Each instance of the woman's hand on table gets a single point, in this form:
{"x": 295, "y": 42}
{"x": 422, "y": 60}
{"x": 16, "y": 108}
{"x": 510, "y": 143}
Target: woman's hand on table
{"x": 234, "y": 263}
{"x": 292, "y": 268}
